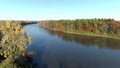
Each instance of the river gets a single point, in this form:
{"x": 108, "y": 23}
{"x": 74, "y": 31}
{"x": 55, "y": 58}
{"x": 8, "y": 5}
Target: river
{"x": 54, "y": 49}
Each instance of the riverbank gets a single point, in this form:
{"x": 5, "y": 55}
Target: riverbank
{"x": 106, "y": 36}
{"x": 93, "y": 27}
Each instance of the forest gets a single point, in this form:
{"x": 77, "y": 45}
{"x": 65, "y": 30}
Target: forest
{"x": 13, "y": 44}
{"x": 97, "y": 27}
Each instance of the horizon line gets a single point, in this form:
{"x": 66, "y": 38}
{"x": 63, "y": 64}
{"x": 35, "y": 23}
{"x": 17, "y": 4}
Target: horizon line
{"x": 53, "y": 19}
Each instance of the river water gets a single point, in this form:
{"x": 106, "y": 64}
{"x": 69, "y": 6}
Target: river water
{"x": 54, "y": 49}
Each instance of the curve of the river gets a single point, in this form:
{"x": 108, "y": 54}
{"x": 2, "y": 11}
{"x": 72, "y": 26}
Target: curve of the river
{"x": 55, "y": 49}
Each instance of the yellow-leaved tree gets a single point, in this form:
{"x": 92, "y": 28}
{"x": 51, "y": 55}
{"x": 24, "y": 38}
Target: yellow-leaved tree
{"x": 14, "y": 41}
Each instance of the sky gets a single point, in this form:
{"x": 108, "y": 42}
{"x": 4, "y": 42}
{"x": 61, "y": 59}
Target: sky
{"x": 58, "y": 9}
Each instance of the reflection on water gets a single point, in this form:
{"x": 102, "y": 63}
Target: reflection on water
{"x": 85, "y": 40}
{"x": 60, "y": 50}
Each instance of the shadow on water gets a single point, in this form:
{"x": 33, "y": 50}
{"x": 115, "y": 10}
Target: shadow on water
{"x": 56, "y": 49}
{"x": 41, "y": 63}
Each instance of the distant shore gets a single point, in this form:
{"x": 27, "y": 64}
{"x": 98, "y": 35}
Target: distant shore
{"x": 93, "y": 27}
{"x": 105, "y": 36}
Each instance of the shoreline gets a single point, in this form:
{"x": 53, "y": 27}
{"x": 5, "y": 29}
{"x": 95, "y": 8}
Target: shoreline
{"x": 104, "y": 36}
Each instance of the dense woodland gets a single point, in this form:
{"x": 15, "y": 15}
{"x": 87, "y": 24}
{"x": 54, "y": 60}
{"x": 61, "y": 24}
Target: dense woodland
{"x": 104, "y": 27}
{"x": 13, "y": 44}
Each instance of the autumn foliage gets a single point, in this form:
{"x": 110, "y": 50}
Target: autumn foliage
{"x": 107, "y": 27}
{"x": 13, "y": 44}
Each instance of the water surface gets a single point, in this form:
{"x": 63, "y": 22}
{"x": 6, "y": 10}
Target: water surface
{"x": 55, "y": 49}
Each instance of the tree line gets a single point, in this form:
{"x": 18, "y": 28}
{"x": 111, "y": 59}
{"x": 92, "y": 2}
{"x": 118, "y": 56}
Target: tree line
{"x": 108, "y": 27}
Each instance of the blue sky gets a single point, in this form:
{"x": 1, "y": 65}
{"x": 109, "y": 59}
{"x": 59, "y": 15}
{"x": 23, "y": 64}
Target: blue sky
{"x": 58, "y": 9}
